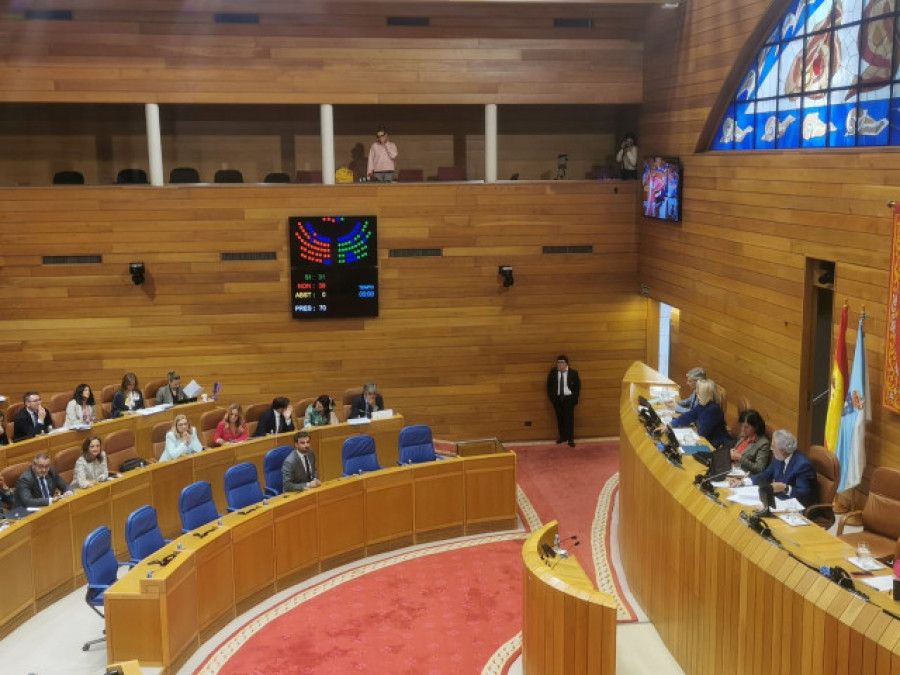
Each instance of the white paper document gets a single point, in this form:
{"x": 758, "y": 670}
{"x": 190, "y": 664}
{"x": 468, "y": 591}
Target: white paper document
{"x": 865, "y": 564}
{"x": 687, "y": 436}
{"x": 885, "y": 583}
{"x": 192, "y": 389}
{"x": 749, "y": 496}
{"x": 794, "y": 519}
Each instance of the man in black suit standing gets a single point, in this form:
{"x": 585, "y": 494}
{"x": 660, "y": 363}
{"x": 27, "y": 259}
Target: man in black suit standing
{"x": 299, "y": 469}
{"x": 32, "y": 420}
{"x": 37, "y": 485}
{"x": 563, "y": 388}
{"x": 276, "y": 420}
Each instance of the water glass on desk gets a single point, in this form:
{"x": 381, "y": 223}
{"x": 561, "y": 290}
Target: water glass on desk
{"x": 863, "y": 553}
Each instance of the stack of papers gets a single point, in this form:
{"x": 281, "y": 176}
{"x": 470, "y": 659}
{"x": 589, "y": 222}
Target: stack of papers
{"x": 865, "y": 564}
{"x": 794, "y": 519}
{"x": 749, "y": 496}
{"x": 687, "y": 436}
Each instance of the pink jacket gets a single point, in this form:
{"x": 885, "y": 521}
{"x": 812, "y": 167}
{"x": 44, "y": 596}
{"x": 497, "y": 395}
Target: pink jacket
{"x": 381, "y": 157}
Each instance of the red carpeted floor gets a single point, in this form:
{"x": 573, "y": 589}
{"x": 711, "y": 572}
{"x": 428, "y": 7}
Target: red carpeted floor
{"x": 445, "y": 612}
{"x": 564, "y": 484}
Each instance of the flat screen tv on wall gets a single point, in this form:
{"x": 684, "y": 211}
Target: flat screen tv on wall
{"x": 662, "y": 188}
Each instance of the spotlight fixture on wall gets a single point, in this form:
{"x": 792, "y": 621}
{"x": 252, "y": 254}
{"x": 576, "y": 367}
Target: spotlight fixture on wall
{"x": 138, "y": 271}
{"x": 506, "y": 272}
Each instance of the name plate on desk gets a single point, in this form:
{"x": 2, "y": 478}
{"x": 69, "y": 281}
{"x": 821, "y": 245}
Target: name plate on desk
{"x": 382, "y": 414}
{"x": 359, "y": 420}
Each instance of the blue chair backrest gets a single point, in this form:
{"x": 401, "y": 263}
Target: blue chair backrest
{"x": 416, "y": 444}
{"x": 196, "y": 506}
{"x": 142, "y": 533}
{"x": 358, "y": 453}
{"x": 272, "y": 468}
{"x": 242, "y": 486}
{"x": 99, "y": 563}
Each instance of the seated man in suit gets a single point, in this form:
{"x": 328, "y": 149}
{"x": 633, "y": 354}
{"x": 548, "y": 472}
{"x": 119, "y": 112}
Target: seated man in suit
{"x": 32, "y": 420}
{"x": 693, "y": 376}
{"x": 299, "y": 469}
{"x": 37, "y": 485}
{"x": 172, "y": 392}
{"x": 367, "y": 402}
{"x": 791, "y": 473}
{"x": 277, "y": 419}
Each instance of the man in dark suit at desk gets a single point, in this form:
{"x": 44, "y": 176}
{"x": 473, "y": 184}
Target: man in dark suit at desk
{"x": 563, "y": 388}
{"x": 367, "y": 402}
{"x": 32, "y": 420}
{"x": 277, "y": 419}
{"x": 791, "y": 473}
{"x": 299, "y": 469}
{"x": 37, "y": 485}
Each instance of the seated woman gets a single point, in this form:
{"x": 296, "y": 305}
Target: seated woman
{"x": 128, "y": 398}
{"x": 321, "y": 413}
{"x": 91, "y": 468}
{"x": 181, "y": 440}
{"x": 752, "y": 452}
{"x": 232, "y": 428}
{"x": 707, "y": 416}
{"x": 4, "y": 437}
{"x": 81, "y": 409}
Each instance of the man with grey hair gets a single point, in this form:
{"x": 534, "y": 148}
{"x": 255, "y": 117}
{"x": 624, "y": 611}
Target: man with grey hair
{"x": 367, "y": 402}
{"x": 693, "y": 376}
{"x": 791, "y": 473}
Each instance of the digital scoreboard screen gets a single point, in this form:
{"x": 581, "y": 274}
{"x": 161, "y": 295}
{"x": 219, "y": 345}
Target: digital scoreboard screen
{"x": 334, "y": 266}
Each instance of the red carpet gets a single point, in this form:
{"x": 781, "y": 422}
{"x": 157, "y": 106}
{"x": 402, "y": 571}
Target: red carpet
{"x": 564, "y": 484}
{"x": 446, "y": 612}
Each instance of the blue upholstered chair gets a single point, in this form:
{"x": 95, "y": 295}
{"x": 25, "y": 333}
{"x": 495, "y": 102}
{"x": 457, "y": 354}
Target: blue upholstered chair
{"x": 242, "y": 486}
{"x": 416, "y": 445}
{"x": 101, "y": 570}
{"x": 142, "y": 534}
{"x": 196, "y": 506}
{"x": 358, "y": 453}
{"x": 272, "y": 469}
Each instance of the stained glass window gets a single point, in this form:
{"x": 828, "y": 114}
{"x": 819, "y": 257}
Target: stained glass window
{"x": 828, "y": 75}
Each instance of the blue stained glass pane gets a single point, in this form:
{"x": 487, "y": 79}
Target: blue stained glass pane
{"x": 766, "y": 126}
{"x": 774, "y": 35}
{"x": 794, "y": 20}
{"x": 747, "y": 88}
{"x": 872, "y": 122}
{"x": 724, "y": 139}
{"x": 895, "y": 116}
{"x": 842, "y": 116}
{"x": 789, "y": 123}
{"x": 743, "y": 126}
{"x": 815, "y": 127}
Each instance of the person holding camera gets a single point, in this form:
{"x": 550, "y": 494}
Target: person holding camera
{"x": 627, "y": 157}
{"x": 321, "y": 413}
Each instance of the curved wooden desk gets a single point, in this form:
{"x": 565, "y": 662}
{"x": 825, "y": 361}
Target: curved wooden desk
{"x": 41, "y": 555}
{"x": 567, "y": 625}
{"x": 224, "y": 569}
{"x": 722, "y": 598}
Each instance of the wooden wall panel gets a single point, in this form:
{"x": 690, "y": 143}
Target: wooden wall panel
{"x": 325, "y": 52}
{"x": 735, "y": 266}
{"x": 451, "y": 347}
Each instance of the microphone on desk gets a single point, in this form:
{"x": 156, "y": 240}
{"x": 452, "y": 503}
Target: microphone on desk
{"x": 767, "y": 497}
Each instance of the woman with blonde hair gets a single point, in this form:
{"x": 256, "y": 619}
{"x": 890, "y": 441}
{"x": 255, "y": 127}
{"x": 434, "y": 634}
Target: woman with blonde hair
{"x": 181, "y": 440}
{"x": 707, "y": 416}
{"x": 232, "y": 428}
